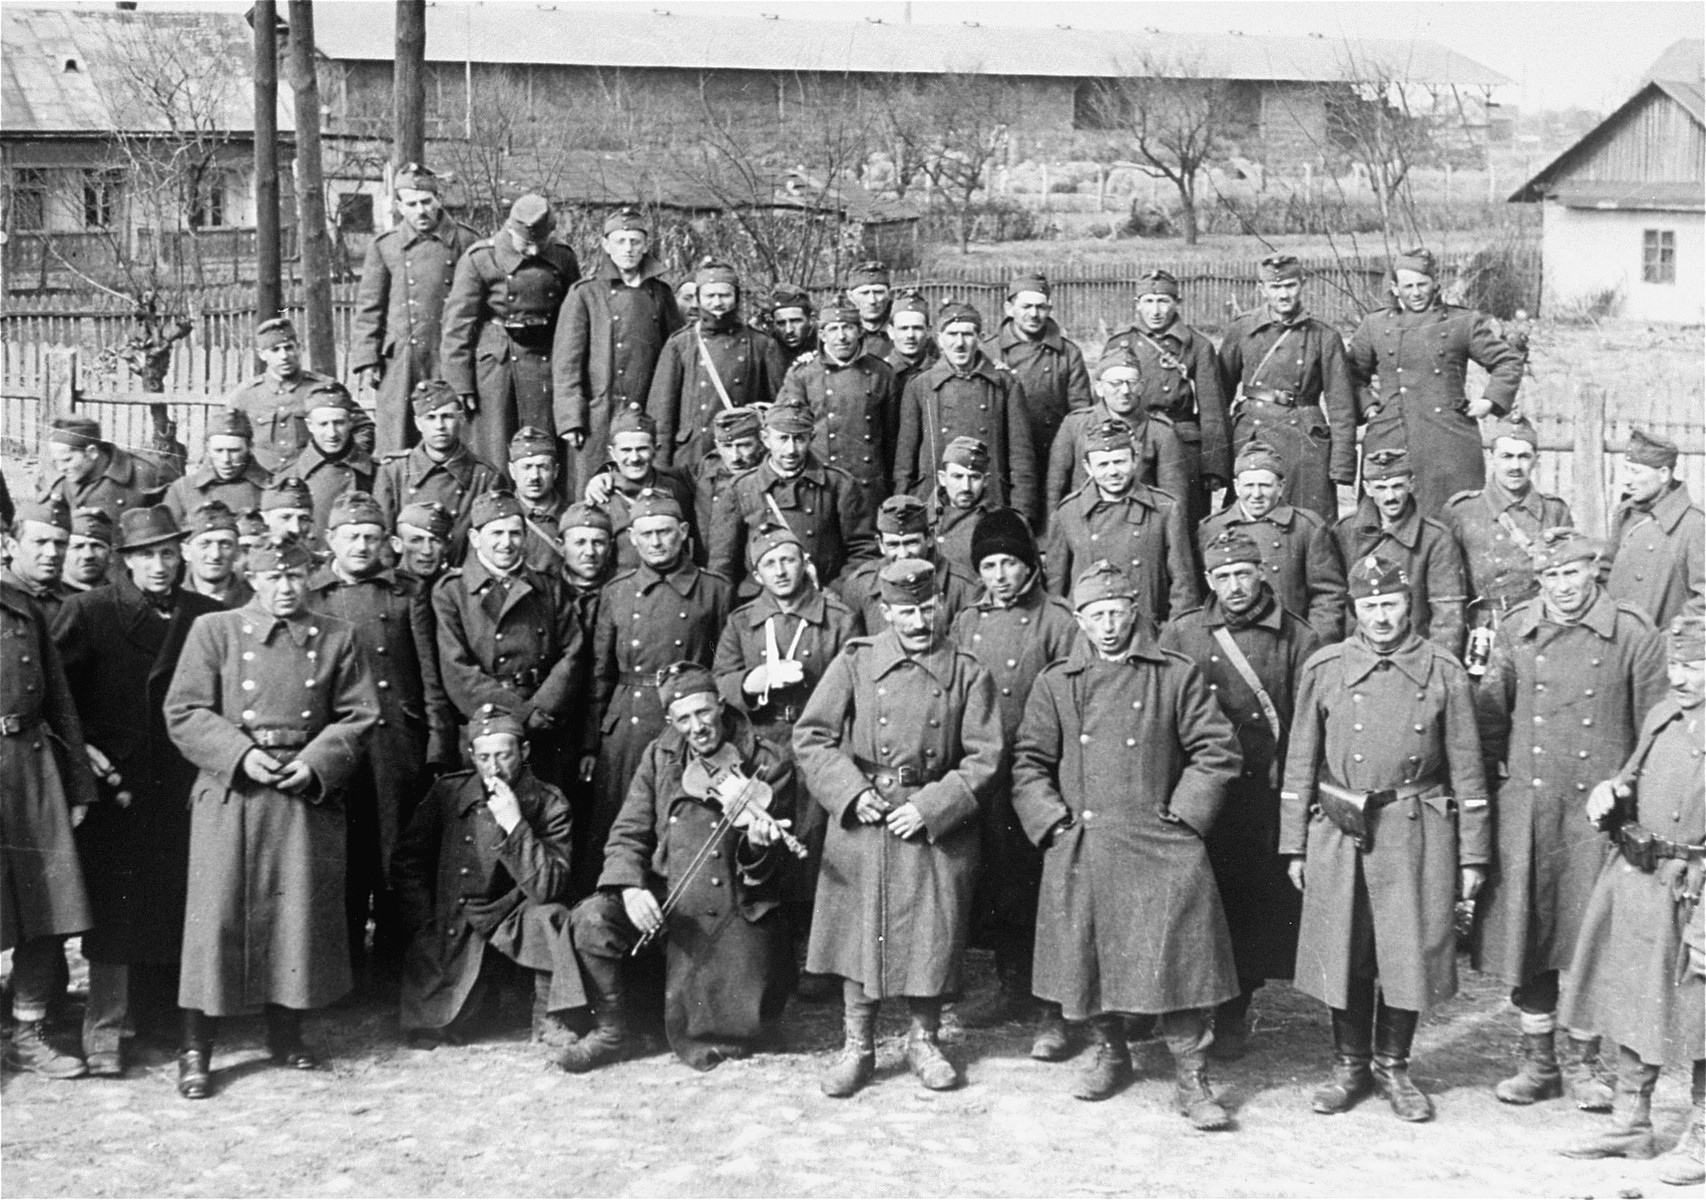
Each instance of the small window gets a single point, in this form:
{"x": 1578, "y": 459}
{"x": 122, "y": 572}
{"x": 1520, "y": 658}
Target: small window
{"x": 100, "y": 197}
{"x": 29, "y": 199}
{"x": 1658, "y": 256}
{"x": 208, "y": 211}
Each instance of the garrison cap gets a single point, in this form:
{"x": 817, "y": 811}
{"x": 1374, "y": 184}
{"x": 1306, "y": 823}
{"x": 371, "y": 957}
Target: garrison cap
{"x": 331, "y": 394}
{"x": 714, "y": 270}
{"x": 280, "y": 552}
{"x": 1685, "y": 640}
{"x": 493, "y": 720}
{"x": 492, "y": 506}
{"x": 1417, "y": 258}
{"x": 1157, "y": 282}
{"x": 1650, "y": 450}
{"x": 1258, "y": 456}
{"x": 75, "y": 431}
{"x": 250, "y": 524}
{"x": 93, "y": 523}
{"x": 532, "y": 215}
{"x": 1101, "y": 580}
{"x": 903, "y": 514}
{"x": 1375, "y": 575}
{"x": 789, "y": 418}
{"x": 51, "y": 510}
{"x": 908, "y": 300}
{"x": 837, "y": 312}
{"x": 140, "y": 528}
{"x": 1031, "y": 281}
{"x": 275, "y": 332}
{"x": 766, "y": 538}
{"x": 1116, "y": 357}
{"x": 585, "y": 516}
{"x": 230, "y": 422}
{"x": 731, "y": 424}
{"x": 356, "y": 508}
{"x": 967, "y": 452}
{"x": 867, "y": 273}
{"x": 287, "y": 493}
{"x": 1276, "y": 267}
{"x": 430, "y": 395}
{"x": 415, "y": 177}
{"x": 1231, "y": 546}
{"x": 1386, "y": 464}
{"x": 682, "y": 679}
{"x": 1555, "y": 547}
{"x": 907, "y": 581}
{"x": 632, "y": 420}
{"x": 1003, "y": 531}
{"x": 627, "y": 218}
{"x": 958, "y": 312}
{"x": 1108, "y": 435}
{"x": 653, "y": 503}
{"x": 429, "y": 516}
{"x": 1516, "y": 428}
{"x": 530, "y": 441}
{"x": 790, "y": 295}
{"x": 210, "y": 517}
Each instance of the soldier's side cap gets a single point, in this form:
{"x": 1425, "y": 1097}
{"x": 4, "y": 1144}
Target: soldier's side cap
{"x": 274, "y": 332}
{"x": 585, "y": 516}
{"x": 632, "y": 420}
{"x": 1516, "y": 428}
{"x": 139, "y": 528}
{"x": 1276, "y": 267}
{"x": 1157, "y": 282}
{"x": 766, "y": 538}
{"x": 93, "y": 523}
{"x": 907, "y": 581}
{"x": 1031, "y": 281}
{"x": 627, "y": 218}
{"x": 75, "y": 431}
{"x": 430, "y": 395}
{"x": 493, "y": 720}
{"x": 280, "y": 552}
{"x": 789, "y": 418}
{"x": 1101, "y": 580}
{"x": 1650, "y": 450}
{"x": 287, "y": 493}
{"x": 1376, "y": 575}
{"x": 1107, "y": 435}
{"x": 1003, "y": 531}
{"x": 651, "y": 502}
{"x": 493, "y": 506}
{"x": 1386, "y": 464}
{"x": 1555, "y": 547}
{"x": 415, "y": 177}
{"x": 331, "y": 394}
{"x": 1418, "y": 259}
{"x": 713, "y": 270}
{"x": 1685, "y": 640}
{"x": 1232, "y": 546}
{"x": 1118, "y": 357}
{"x": 732, "y": 423}
{"x": 902, "y": 514}
{"x": 908, "y": 300}
{"x": 967, "y": 452}
{"x": 356, "y": 508}
{"x": 867, "y": 273}
{"x": 837, "y": 312}
{"x": 230, "y": 422}
{"x": 532, "y": 215}
{"x": 429, "y": 516}
{"x": 958, "y": 312}
{"x": 682, "y": 679}
{"x": 530, "y": 441}
{"x": 210, "y": 517}
{"x": 1258, "y": 456}
{"x": 51, "y": 511}
{"x": 250, "y": 524}
{"x": 790, "y": 295}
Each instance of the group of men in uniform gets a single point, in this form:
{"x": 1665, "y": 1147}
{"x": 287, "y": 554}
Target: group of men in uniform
{"x": 658, "y": 663}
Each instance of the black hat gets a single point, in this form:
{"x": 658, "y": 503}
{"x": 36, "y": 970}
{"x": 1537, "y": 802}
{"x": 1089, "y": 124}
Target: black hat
{"x": 1003, "y": 531}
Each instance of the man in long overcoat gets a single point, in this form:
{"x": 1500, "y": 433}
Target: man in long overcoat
{"x": 1121, "y": 768}
{"x": 901, "y": 745}
{"x": 1161, "y": 456}
{"x": 1572, "y": 675}
{"x": 264, "y": 916}
{"x": 854, "y": 401}
{"x": 331, "y": 463}
{"x": 228, "y": 471}
{"x": 1244, "y": 639}
{"x": 1049, "y": 365}
{"x": 439, "y": 469}
{"x": 1384, "y": 816}
{"x": 1658, "y": 535}
{"x": 1409, "y": 362}
{"x": 120, "y": 646}
{"x": 399, "y": 306}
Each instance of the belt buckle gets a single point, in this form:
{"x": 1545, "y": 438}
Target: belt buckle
{"x": 907, "y": 776}
{"x": 11, "y": 724}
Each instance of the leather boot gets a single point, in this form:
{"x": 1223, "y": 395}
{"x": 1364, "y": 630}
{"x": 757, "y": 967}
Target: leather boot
{"x": 1631, "y": 1132}
{"x": 1109, "y": 1068}
{"x": 857, "y": 1062}
{"x": 1579, "y": 1061}
{"x": 30, "y": 1050}
{"x": 1191, "y": 1093}
{"x": 284, "y": 1039}
{"x": 1353, "y": 1050}
{"x": 548, "y": 1028}
{"x": 924, "y": 1054}
{"x": 1394, "y": 1031}
{"x": 1539, "y": 1077}
{"x": 195, "y": 1071}
{"x": 608, "y": 1040}
{"x": 1684, "y": 1165}
{"x": 1053, "y": 1041}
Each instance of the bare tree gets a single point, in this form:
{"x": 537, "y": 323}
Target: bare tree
{"x": 948, "y": 130}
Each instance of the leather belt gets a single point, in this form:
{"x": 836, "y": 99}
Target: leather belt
{"x": 647, "y": 679}
{"x": 1265, "y": 396}
{"x": 521, "y": 681}
{"x": 14, "y": 724}
{"x": 279, "y": 739}
{"x": 902, "y": 776}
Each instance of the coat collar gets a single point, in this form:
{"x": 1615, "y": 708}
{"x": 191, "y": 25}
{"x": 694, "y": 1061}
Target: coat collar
{"x": 312, "y": 458}
{"x": 765, "y": 606}
{"x": 681, "y": 578}
{"x": 939, "y": 373}
{"x": 650, "y": 268}
{"x": 1406, "y": 531}
{"x": 888, "y": 653}
{"x": 1281, "y": 515}
{"x": 1601, "y": 616}
{"x": 1030, "y": 598}
{"x": 1143, "y": 646}
{"x": 263, "y": 625}
{"x": 1009, "y": 336}
{"x": 1215, "y": 617}
{"x": 769, "y": 477}
{"x": 13, "y": 599}
{"x": 325, "y": 578}
{"x": 1414, "y": 657}
{"x": 736, "y": 728}
{"x": 1668, "y": 510}
{"x": 1267, "y": 320}
{"x": 203, "y": 477}
{"x": 459, "y": 462}
{"x": 1499, "y": 499}
{"x": 1141, "y": 498}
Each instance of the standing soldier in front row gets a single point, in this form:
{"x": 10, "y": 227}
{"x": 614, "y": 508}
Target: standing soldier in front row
{"x": 1120, "y": 773}
{"x": 1639, "y": 970}
{"x": 1384, "y": 815}
{"x": 901, "y": 745}
{"x": 264, "y": 918}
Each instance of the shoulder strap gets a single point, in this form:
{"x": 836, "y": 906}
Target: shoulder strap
{"x": 711, "y": 368}
{"x": 1256, "y": 375}
{"x": 1247, "y": 673}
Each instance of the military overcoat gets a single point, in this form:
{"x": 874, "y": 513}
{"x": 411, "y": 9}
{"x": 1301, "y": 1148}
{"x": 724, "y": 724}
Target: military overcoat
{"x": 856, "y": 406}
{"x": 1050, "y": 370}
{"x": 1143, "y": 533}
{"x": 823, "y": 505}
{"x": 1659, "y": 556}
{"x": 1498, "y": 531}
{"x": 1300, "y": 560}
{"x": 987, "y": 402}
{"x": 684, "y": 399}
{"x": 1431, "y": 558}
{"x": 1161, "y": 460}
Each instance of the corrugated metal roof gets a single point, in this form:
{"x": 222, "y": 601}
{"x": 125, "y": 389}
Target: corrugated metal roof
{"x": 58, "y": 78}
{"x": 638, "y": 36}
{"x": 1541, "y": 185}
{"x": 1664, "y": 196}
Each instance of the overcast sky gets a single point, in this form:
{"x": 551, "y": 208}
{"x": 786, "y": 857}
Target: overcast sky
{"x": 1561, "y": 52}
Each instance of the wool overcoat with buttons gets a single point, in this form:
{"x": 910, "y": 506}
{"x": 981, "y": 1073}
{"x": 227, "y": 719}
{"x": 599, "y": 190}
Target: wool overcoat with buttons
{"x": 609, "y": 337}
{"x": 1315, "y": 434}
{"x": 329, "y": 478}
{"x": 119, "y": 654}
{"x": 856, "y": 407}
{"x": 987, "y": 402}
{"x": 499, "y": 321}
{"x": 415, "y": 477}
{"x": 189, "y": 492}
{"x": 1051, "y": 371}
{"x": 1300, "y": 561}
{"x": 684, "y": 399}
{"x": 1366, "y": 721}
{"x": 43, "y": 774}
{"x": 1659, "y": 556}
{"x": 399, "y": 309}
{"x": 124, "y": 481}
{"x": 823, "y": 505}
{"x": 1262, "y": 907}
{"x": 1496, "y": 529}
{"x": 619, "y": 507}
{"x": 1560, "y": 709}
{"x": 710, "y": 478}
{"x": 1628, "y": 980}
{"x": 465, "y": 886}
{"x": 1161, "y": 456}
{"x": 1431, "y": 558}
{"x": 1181, "y": 378}
{"x": 893, "y": 914}
{"x": 278, "y": 410}
{"x": 1143, "y": 533}
{"x": 1409, "y": 369}
{"x": 264, "y": 917}
{"x": 858, "y": 586}
{"x": 1128, "y": 762}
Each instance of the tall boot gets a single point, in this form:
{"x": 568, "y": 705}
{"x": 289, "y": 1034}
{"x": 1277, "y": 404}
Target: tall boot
{"x": 1109, "y": 1067}
{"x": 857, "y": 1062}
{"x": 284, "y": 1039}
{"x": 1539, "y": 1077}
{"x": 1394, "y": 1031}
{"x": 1353, "y": 1050}
{"x": 608, "y": 1040}
{"x": 195, "y": 1056}
{"x": 1579, "y": 1062}
{"x": 1188, "y": 1034}
{"x": 1684, "y": 1165}
{"x": 923, "y": 1052}
{"x": 1631, "y": 1132}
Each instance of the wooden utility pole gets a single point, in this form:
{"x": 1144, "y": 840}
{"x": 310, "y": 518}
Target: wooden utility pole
{"x": 269, "y": 298}
{"x": 408, "y": 85}
{"x": 311, "y": 235}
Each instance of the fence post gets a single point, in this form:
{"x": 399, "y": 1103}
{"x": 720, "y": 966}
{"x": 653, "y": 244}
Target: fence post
{"x": 59, "y": 382}
{"x": 1590, "y": 458}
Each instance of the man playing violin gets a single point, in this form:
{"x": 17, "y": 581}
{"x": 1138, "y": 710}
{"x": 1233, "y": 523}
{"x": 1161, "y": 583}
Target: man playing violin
{"x": 694, "y": 862}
